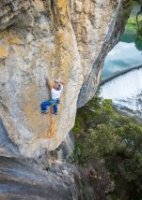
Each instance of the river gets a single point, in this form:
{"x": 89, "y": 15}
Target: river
{"x": 119, "y": 83}
{"x": 127, "y": 53}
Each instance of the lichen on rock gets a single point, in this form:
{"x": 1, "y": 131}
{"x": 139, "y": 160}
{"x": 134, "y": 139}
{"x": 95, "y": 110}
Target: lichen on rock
{"x": 60, "y": 39}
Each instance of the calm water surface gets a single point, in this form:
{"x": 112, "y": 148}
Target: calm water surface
{"x": 123, "y": 56}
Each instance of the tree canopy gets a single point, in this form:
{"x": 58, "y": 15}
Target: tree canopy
{"x": 103, "y": 133}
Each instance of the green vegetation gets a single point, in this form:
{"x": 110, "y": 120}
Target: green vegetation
{"x": 135, "y": 26}
{"x": 139, "y": 24}
{"x": 133, "y": 29}
{"x": 104, "y": 134}
{"x": 133, "y": 33}
{"x": 131, "y": 24}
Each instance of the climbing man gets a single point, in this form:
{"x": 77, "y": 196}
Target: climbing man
{"x": 55, "y": 94}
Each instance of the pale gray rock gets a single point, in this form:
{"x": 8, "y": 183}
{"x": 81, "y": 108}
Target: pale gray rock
{"x": 23, "y": 180}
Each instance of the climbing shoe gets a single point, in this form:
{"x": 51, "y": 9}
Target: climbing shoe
{"x": 54, "y": 113}
{"x": 44, "y": 112}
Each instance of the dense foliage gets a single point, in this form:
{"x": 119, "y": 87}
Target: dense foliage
{"x": 103, "y": 133}
{"x": 133, "y": 29}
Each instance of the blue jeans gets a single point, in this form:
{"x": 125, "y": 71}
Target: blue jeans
{"x": 50, "y": 103}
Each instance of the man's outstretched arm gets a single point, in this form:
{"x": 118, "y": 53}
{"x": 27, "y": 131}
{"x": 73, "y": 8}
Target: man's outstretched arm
{"x": 48, "y": 84}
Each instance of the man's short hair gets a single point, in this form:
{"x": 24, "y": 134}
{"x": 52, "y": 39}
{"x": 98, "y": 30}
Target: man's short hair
{"x": 59, "y": 86}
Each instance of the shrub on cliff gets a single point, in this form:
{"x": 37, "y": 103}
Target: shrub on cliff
{"x": 103, "y": 133}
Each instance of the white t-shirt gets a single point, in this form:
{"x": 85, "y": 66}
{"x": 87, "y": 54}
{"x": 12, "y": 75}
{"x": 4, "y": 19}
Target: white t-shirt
{"x": 56, "y": 94}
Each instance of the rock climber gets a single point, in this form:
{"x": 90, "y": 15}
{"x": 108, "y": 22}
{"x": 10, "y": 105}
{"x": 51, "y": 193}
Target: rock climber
{"x": 55, "y": 94}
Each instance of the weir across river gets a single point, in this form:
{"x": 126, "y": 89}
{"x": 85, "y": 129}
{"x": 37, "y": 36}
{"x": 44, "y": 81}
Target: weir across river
{"x": 125, "y": 90}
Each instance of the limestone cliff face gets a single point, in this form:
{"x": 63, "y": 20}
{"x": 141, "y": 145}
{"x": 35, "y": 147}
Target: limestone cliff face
{"x": 58, "y": 39}
{"x": 23, "y": 180}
